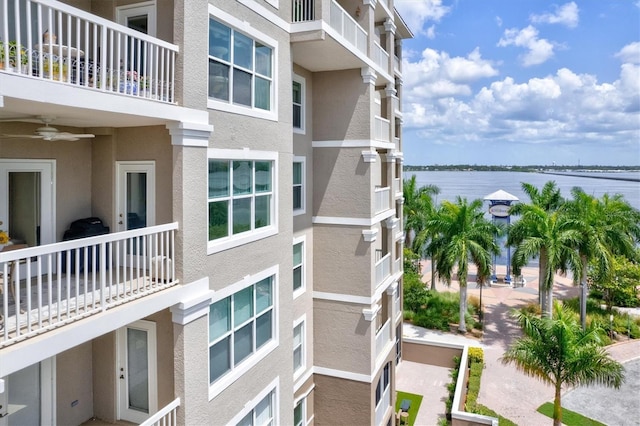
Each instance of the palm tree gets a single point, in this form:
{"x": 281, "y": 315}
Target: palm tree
{"x": 547, "y": 200}
{"x": 419, "y": 206}
{"x": 461, "y": 235}
{"x": 608, "y": 226}
{"x": 549, "y": 236}
{"x": 557, "y": 351}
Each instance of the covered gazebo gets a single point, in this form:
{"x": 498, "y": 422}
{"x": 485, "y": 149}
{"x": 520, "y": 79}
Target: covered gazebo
{"x": 499, "y": 203}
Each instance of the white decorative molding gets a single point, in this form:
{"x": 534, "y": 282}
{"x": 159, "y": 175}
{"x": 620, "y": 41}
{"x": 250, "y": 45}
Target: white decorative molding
{"x": 353, "y": 143}
{"x": 394, "y": 155}
{"x": 190, "y": 134}
{"x": 399, "y": 81}
{"x": 370, "y": 314}
{"x": 391, "y": 222}
{"x": 371, "y": 3}
{"x": 400, "y": 158}
{"x": 352, "y": 221}
{"x": 370, "y": 235}
{"x": 390, "y": 90}
{"x": 195, "y": 306}
{"x": 346, "y": 298}
{"x": 331, "y": 372}
{"x": 390, "y": 26}
{"x": 368, "y": 75}
{"x": 400, "y": 200}
{"x": 369, "y": 156}
{"x": 393, "y": 289}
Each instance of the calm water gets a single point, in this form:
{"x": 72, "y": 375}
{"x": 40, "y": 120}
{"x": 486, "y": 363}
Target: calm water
{"x": 474, "y": 185}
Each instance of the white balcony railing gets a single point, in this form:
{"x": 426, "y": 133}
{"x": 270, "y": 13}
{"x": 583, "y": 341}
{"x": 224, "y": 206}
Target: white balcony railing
{"x": 397, "y": 265}
{"x": 383, "y": 337}
{"x": 383, "y": 405}
{"x": 380, "y": 57}
{"x": 167, "y": 416}
{"x": 397, "y": 308}
{"x": 58, "y": 283}
{"x": 382, "y": 199}
{"x": 302, "y": 10}
{"x": 49, "y": 40}
{"x": 347, "y": 27}
{"x": 382, "y": 129}
{"x": 383, "y": 269}
{"x": 397, "y": 185}
{"x": 396, "y": 64}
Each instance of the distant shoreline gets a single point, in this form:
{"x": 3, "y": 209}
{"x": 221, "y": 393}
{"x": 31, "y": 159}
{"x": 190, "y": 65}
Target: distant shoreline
{"x": 627, "y": 179}
{"x": 561, "y": 170}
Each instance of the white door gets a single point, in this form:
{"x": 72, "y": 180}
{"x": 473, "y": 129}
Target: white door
{"x": 27, "y": 207}
{"x": 135, "y": 198}
{"x": 138, "y": 16}
{"x": 137, "y": 371}
{"x": 28, "y": 396}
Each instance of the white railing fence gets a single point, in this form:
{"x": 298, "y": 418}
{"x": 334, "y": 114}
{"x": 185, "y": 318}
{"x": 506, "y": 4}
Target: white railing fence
{"x": 383, "y": 337}
{"x": 397, "y": 185}
{"x": 382, "y": 199}
{"x": 47, "y": 286}
{"x": 348, "y": 28}
{"x": 380, "y": 57}
{"x": 53, "y": 41}
{"x": 302, "y": 10}
{"x": 383, "y": 269}
{"x": 167, "y": 416}
{"x": 382, "y": 129}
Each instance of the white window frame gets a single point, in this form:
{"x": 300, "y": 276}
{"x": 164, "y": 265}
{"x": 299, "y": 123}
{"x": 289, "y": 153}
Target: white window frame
{"x": 303, "y": 288}
{"x": 303, "y": 404}
{"x": 302, "y": 321}
{"x": 245, "y": 365}
{"x": 303, "y": 98}
{"x": 148, "y": 8}
{"x": 273, "y": 387}
{"x": 230, "y": 241}
{"x": 303, "y": 160}
{"x": 245, "y": 28}
{"x": 381, "y": 385}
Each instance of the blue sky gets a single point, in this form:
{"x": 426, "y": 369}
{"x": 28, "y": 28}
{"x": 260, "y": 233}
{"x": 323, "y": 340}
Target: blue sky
{"x": 517, "y": 82}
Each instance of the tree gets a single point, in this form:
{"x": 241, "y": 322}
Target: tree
{"x": 418, "y": 208}
{"x": 461, "y": 235}
{"x": 527, "y": 235}
{"x": 619, "y": 289}
{"x": 608, "y": 226}
{"x": 559, "y": 352}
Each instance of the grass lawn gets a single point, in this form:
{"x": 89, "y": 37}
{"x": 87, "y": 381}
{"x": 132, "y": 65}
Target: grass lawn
{"x": 569, "y": 418}
{"x": 416, "y": 400}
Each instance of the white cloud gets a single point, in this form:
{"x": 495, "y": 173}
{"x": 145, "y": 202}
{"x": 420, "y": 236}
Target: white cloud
{"x": 567, "y": 14}
{"x": 431, "y": 32}
{"x": 630, "y": 53}
{"x": 499, "y": 21}
{"x": 437, "y": 75}
{"x": 539, "y": 49}
{"x": 417, "y": 13}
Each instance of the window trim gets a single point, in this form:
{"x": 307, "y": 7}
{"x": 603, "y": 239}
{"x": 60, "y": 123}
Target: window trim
{"x": 250, "y": 405}
{"x": 245, "y": 365}
{"x": 303, "y": 92}
{"x": 303, "y": 160}
{"x": 303, "y": 364}
{"x": 245, "y": 28}
{"x": 230, "y": 241}
{"x": 303, "y": 288}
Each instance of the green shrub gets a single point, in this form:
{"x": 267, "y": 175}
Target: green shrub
{"x": 476, "y": 354}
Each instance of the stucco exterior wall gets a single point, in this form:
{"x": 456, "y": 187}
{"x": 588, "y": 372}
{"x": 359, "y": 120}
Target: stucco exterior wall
{"x": 74, "y": 387}
{"x": 342, "y": 185}
{"x": 341, "y": 402}
{"x": 342, "y": 337}
{"x": 104, "y": 377}
{"x": 342, "y": 260}
{"x": 431, "y": 354}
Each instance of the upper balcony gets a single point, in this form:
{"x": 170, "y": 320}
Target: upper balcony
{"x": 48, "y": 286}
{"x": 326, "y": 37}
{"x": 52, "y": 41}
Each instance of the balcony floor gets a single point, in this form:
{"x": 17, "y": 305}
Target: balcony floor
{"x": 98, "y": 422}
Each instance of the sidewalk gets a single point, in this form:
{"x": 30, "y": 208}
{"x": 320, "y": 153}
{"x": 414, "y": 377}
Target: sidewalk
{"x": 506, "y": 390}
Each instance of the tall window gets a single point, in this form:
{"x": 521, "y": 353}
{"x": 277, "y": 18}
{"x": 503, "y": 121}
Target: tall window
{"x": 239, "y": 325}
{"x": 240, "y": 196}
{"x": 298, "y": 347}
{"x": 298, "y": 185}
{"x": 298, "y": 98}
{"x": 262, "y": 414}
{"x": 240, "y": 68}
{"x": 298, "y": 263}
{"x": 383, "y": 383}
{"x": 299, "y": 415}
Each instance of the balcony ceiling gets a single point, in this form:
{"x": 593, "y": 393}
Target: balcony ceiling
{"x": 325, "y": 55}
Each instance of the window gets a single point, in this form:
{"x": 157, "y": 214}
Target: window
{"x": 298, "y": 347}
{"x": 298, "y": 262}
{"x": 383, "y": 383}
{"x": 262, "y": 413}
{"x": 298, "y": 185}
{"x": 239, "y": 325}
{"x": 298, "y": 95}
{"x": 240, "y": 196}
{"x": 240, "y": 68}
{"x": 299, "y": 415}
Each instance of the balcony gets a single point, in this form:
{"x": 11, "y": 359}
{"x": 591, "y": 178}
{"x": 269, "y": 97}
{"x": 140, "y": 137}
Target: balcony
{"x": 380, "y": 57}
{"x": 383, "y": 269}
{"x": 167, "y": 416}
{"x": 382, "y": 199}
{"x": 64, "y": 282}
{"x": 382, "y": 129}
{"x": 383, "y": 337}
{"x": 397, "y": 186}
{"x": 49, "y": 40}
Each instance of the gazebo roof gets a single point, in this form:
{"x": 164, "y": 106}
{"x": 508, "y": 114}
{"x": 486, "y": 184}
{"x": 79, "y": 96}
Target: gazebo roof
{"x": 501, "y": 195}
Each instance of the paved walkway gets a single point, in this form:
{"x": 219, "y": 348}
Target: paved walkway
{"x": 506, "y": 390}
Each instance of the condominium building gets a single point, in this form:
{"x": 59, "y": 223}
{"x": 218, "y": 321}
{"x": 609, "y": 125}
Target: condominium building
{"x": 202, "y": 206}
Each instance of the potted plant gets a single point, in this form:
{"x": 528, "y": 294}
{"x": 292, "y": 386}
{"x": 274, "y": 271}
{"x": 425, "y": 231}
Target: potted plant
{"x": 53, "y": 66}
{"x": 12, "y": 50}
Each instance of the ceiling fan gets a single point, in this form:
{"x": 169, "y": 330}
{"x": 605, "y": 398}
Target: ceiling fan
{"x": 49, "y": 133}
